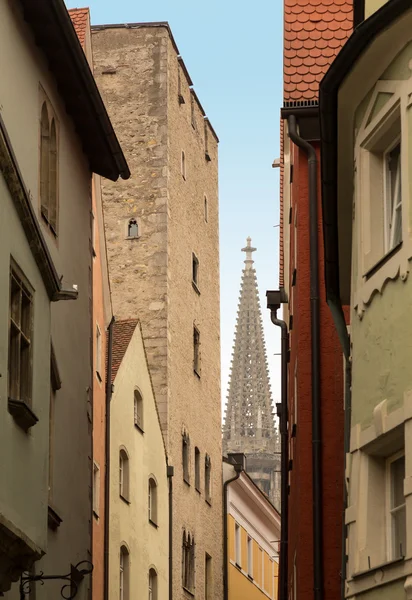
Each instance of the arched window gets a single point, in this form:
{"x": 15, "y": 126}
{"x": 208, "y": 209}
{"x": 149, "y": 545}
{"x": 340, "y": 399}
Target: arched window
{"x": 188, "y": 562}
{"x": 124, "y": 574}
{"x": 124, "y": 475}
{"x": 44, "y": 161}
{"x": 152, "y": 584}
{"x": 53, "y": 178}
{"x": 152, "y": 501}
{"x": 132, "y": 229}
{"x": 138, "y": 410}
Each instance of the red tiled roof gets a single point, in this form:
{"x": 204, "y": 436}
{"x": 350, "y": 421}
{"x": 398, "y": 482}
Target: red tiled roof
{"x": 80, "y": 20}
{"x": 122, "y": 334}
{"x": 315, "y": 31}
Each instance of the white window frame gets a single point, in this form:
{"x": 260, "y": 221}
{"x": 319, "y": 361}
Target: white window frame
{"x": 389, "y": 511}
{"x": 250, "y": 556}
{"x": 390, "y": 213}
{"x": 238, "y": 544}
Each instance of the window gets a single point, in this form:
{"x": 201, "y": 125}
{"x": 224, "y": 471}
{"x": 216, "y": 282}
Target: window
{"x": 20, "y": 340}
{"x": 124, "y": 475}
{"x": 208, "y": 577}
{"x": 152, "y": 501}
{"x": 195, "y": 270}
{"x": 192, "y": 110}
{"x": 206, "y": 208}
{"x": 48, "y": 167}
{"x": 237, "y": 544}
{"x": 96, "y": 488}
{"x": 183, "y": 165}
{"x": 396, "y": 506}
{"x": 185, "y": 457}
{"x": 98, "y": 352}
{"x": 393, "y": 197}
{"x": 208, "y": 469}
{"x": 138, "y": 410}
{"x": 188, "y": 562}
{"x": 196, "y": 351}
{"x": 132, "y": 229}
{"x": 197, "y": 469}
{"x": 250, "y": 557}
{"x": 152, "y": 585}
{"x": 124, "y": 574}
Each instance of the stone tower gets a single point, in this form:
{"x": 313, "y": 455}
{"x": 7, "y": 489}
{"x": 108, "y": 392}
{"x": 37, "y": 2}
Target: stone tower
{"x": 249, "y": 424}
{"x": 162, "y": 231}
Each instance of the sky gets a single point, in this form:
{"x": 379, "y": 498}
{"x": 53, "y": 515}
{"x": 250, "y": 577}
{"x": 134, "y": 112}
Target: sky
{"x": 233, "y": 52}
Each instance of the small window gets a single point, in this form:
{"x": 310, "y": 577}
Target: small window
{"x": 185, "y": 457}
{"x": 152, "y": 585}
{"x": 96, "y": 489}
{"x": 237, "y": 544}
{"x": 152, "y": 501}
{"x": 250, "y": 557}
{"x": 20, "y": 338}
{"x": 197, "y": 469}
{"x": 208, "y": 469}
{"x": 138, "y": 410}
{"x": 48, "y": 167}
{"x": 192, "y": 111}
{"x": 206, "y": 209}
{"x": 208, "y": 577}
{"x": 196, "y": 351}
{"x": 188, "y": 562}
{"x": 393, "y": 198}
{"x": 183, "y": 165}
{"x": 132, "y": 229}
{"x": 397, "y": 506}
{"x": 195, "y": 270}
{"x": 124, "y": 574}
{"x": 124, "y": 475}
{"x": 98, "y": 352}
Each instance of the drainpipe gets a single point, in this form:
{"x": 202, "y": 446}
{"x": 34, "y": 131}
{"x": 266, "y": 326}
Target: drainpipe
{"x": 273, "y": 303}
{"x": 315, "y": 357}
{"x": 238, "y": 469}
{"x": 170, "y": 473}
{"x": 109, "y": 390}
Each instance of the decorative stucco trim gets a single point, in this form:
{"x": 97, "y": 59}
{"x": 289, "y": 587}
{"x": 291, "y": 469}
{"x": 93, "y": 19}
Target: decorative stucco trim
{"x": 379, "y": 576}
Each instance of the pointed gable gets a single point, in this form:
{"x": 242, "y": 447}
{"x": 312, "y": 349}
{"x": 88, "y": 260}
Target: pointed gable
{"x": 80, "y": 20}
{"x": 122, "y": 334}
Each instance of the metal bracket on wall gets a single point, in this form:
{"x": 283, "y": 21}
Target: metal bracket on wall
{"x": 72, "y": 579}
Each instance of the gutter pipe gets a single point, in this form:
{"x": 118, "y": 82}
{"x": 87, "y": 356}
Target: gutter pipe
{"x": 238, "y": 469}
{"x": 273, "y": 303}
{"x": 315, "y": 357}
{"x": 109, "y": 391}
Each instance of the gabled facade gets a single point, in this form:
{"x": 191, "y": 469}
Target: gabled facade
{"x": 366, "y": 135}
{"x": 139, "y": 507}
{"x": 47, "y": 92}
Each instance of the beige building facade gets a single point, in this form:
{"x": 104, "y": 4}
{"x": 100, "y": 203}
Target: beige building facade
{"x": 162, "y": 241}
{"x": 139, "y": 507}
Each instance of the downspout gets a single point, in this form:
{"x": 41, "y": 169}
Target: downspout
{"x": 170, "y": 473}
{"x": 107, "y": 459}
{"x": 238, "y": 469}
{"x": 315, "y": 357}
{"x": 273, "y": 303}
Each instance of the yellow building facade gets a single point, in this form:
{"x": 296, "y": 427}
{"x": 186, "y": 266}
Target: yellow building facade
{"x": 251, "y": 537}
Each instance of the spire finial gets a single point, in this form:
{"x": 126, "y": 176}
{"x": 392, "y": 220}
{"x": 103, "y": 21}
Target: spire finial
{"x": 248, "y": 249}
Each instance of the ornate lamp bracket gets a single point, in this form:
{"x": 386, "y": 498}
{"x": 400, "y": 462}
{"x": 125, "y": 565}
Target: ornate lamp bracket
{"x": 70, "y": 587}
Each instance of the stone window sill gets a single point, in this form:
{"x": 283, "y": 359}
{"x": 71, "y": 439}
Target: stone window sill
{"x": 22, "y": 414}
{"x": 153, "y": 524}
{"x": 139, "y": 428}
{"x": 194, "y": 284}
{"x": 382, "y": 566}
{"x": 192, "y": 594}
{"x": 385, "y": 258}
{"x": 53, "y": 519}
{"x": 125, "y": 500}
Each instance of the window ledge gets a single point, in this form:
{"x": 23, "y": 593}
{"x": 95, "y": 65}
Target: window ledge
{"x": 197, "y": 373}
{"x": 132, "y": 237}
{"x": 194, "y": 285}
{"x": 53, "y": 519}
{"x": 382, "y": 261}
{"x": 96, "y": 515}
{"x": 208, "y": 501}
{"x": 187, "y": 482}
{"x": 207, "y": 156}
{"x": 250, "y": 577}
{"x": 22, "y": 414}
{"x": 99, "y": 377}
{"x": 188, "y": 591}
{"x": 388, "y": 563}
{"x": 153, "y": 524}
{"x": 238, "y": 566}
{"x": 198, "y": 490}
{"x": 124, "y": 499}
{"x": 139, "y": 428}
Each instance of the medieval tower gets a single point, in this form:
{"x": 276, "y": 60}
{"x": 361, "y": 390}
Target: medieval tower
{"x": 249, "y": 424}
{"x": 162, "y": 244}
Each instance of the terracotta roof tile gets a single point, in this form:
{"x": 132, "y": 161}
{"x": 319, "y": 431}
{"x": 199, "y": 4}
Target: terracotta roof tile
{"x": 122, "y": 334}
{"x": 80, "y": 20}
{"x": 315, "y": 31}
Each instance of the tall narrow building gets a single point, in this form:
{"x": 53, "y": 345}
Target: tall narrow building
{"x": 249, "y": 424}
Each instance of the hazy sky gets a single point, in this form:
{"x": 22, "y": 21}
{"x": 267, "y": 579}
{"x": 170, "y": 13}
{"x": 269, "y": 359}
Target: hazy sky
{"x": 233, "y": 51}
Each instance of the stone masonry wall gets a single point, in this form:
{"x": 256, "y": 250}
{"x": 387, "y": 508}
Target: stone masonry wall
{"x": 131, "y": 72}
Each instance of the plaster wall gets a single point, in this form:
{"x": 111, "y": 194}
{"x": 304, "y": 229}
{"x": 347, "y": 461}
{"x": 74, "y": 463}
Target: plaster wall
{"x": 129, "y": 523}
{"x": 22, "y": 63}
{"x": 372, "y": 6}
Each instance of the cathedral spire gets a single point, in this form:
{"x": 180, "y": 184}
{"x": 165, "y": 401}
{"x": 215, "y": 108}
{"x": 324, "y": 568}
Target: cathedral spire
{"x": 249, "y": 422}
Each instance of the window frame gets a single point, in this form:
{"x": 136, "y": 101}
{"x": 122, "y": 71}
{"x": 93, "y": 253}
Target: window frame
{"x": 183, "y": 164}
{"x": 138, "y": 407}
{"x": 389, "y": 510}
{"x": 49, "y": 205}
{"x": 152, "y": 501}
{"x": 390, "y": 244}
{"x": 206, "y": 208}
{"x": 238, "y": 545}
{"x": 124, "y": 475}
{"x": 188, "y": 562}
{"x": 208, "y": 479}
{"x": 196, "y": 351}
{"x": 98, "y": 365}
{"x": 152, "y": 584}
{"x": 186, "y": 457}
{"x": 124, "y": 572}
{"x": 195, "y": 272}
{"x": 197, "y": 470}
{"x": 208, "y": 576}
{"x": 96, "y": 489}
{"x": 250, "y": 557}
{"x": 130, "y": 222}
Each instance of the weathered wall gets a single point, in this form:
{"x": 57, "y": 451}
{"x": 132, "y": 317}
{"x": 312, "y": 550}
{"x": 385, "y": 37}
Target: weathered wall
{"x": 129, "y": 523}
